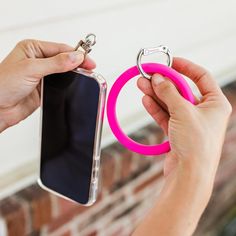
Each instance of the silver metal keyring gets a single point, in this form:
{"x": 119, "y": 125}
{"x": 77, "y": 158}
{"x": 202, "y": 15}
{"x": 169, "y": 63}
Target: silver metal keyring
{"x": 149, "y": 51}
{"x": 91, "y": 39}
{"x": 85, "y": 46}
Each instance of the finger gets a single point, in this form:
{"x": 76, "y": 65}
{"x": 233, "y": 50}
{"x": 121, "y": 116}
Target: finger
{"x": 156, "y": 111}
{"x": 30, "y": 48}
{"x": 146, "y": 87}
{"x": 48, "y": 49}
{"x": 88, "y": 63}
{"x": 200, "y": 76}
{"x": 196, "y": 100}
{"x": 168, "y": 93}
{"x": 43, "y": 49}
{"x": 60, "y": 63}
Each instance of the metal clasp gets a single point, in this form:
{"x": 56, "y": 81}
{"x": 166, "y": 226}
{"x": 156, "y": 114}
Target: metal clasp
{"x": 86, "y": 45}
{"x": 149, "y": 51}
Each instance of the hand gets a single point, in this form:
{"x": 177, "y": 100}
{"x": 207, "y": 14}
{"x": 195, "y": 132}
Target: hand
{"x": 196, "y": 135}
{"x": 22, "y": 70}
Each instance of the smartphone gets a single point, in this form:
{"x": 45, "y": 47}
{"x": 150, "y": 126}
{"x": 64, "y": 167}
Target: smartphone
{"x": 72, "y": 113}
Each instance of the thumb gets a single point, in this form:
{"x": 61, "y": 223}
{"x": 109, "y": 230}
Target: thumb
{"x": 57, "y": 64}
{"x": 167, "y": 93}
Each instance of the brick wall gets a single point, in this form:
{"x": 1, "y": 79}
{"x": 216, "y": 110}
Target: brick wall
{"x": 129, "y": 187}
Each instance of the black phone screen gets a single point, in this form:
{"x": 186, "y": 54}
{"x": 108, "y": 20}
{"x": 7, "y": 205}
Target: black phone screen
{"x": 70, "y": 106}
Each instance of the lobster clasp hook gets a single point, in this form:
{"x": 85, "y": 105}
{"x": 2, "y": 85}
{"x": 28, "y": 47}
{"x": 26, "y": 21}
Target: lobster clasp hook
{"x": 149, "y": 51}
{"x": 86, "y": 45}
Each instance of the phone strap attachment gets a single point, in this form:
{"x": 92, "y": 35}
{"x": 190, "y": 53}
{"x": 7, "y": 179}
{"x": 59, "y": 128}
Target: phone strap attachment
{"x": 146, "y": 69}
{"x": 86, "y": 45}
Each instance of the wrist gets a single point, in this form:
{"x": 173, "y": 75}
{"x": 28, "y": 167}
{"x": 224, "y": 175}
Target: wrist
{"x": 199, "y": 170}
{"x": 178, "y": 209}
{"x": 193, "y": 186}
{"x": 183, "y": 195}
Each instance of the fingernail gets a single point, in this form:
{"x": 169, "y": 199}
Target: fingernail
{"x": 157, "y": 79}
{"x": 76, "y": 57}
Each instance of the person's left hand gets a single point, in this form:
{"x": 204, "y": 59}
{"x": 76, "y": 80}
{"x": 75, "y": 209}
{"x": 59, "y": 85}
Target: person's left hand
{"x": 22, "y": 70}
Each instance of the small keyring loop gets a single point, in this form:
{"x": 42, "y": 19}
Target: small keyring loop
{"x": 129, "y": 74}
{"x": 91, "y": 39}
{"x": 148, "y": 51}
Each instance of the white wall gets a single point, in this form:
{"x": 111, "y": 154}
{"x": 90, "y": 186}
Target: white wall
{"x": 203, "y": 31}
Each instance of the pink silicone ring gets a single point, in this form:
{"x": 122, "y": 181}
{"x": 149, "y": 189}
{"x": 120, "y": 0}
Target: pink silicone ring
{"x": 150, "y": 68}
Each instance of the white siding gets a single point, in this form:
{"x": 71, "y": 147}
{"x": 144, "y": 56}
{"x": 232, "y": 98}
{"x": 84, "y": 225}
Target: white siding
{"x": 203, "y": 31}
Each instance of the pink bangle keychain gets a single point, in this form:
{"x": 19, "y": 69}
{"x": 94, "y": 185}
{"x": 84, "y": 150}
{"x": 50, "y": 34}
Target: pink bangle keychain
{"x": 146, "y": 70}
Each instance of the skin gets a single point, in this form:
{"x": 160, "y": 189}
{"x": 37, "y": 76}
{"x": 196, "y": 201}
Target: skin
{"x": 22, "y": 70}
{"x": 196, "y": 133}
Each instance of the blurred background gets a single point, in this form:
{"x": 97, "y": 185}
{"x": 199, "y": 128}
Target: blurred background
{"x": 202, "y": 31}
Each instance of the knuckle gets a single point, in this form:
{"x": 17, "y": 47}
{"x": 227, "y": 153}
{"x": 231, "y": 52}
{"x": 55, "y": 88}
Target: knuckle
{"x": 22, "y": 42}
{"x": 204, "y": 75}
{"x": 225, "y": 107}
{"x": 25, "y": 43}
{"x": 165, "y": 86}
{"x": 28, "y": 46}
{"x": 228, "y": 108}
